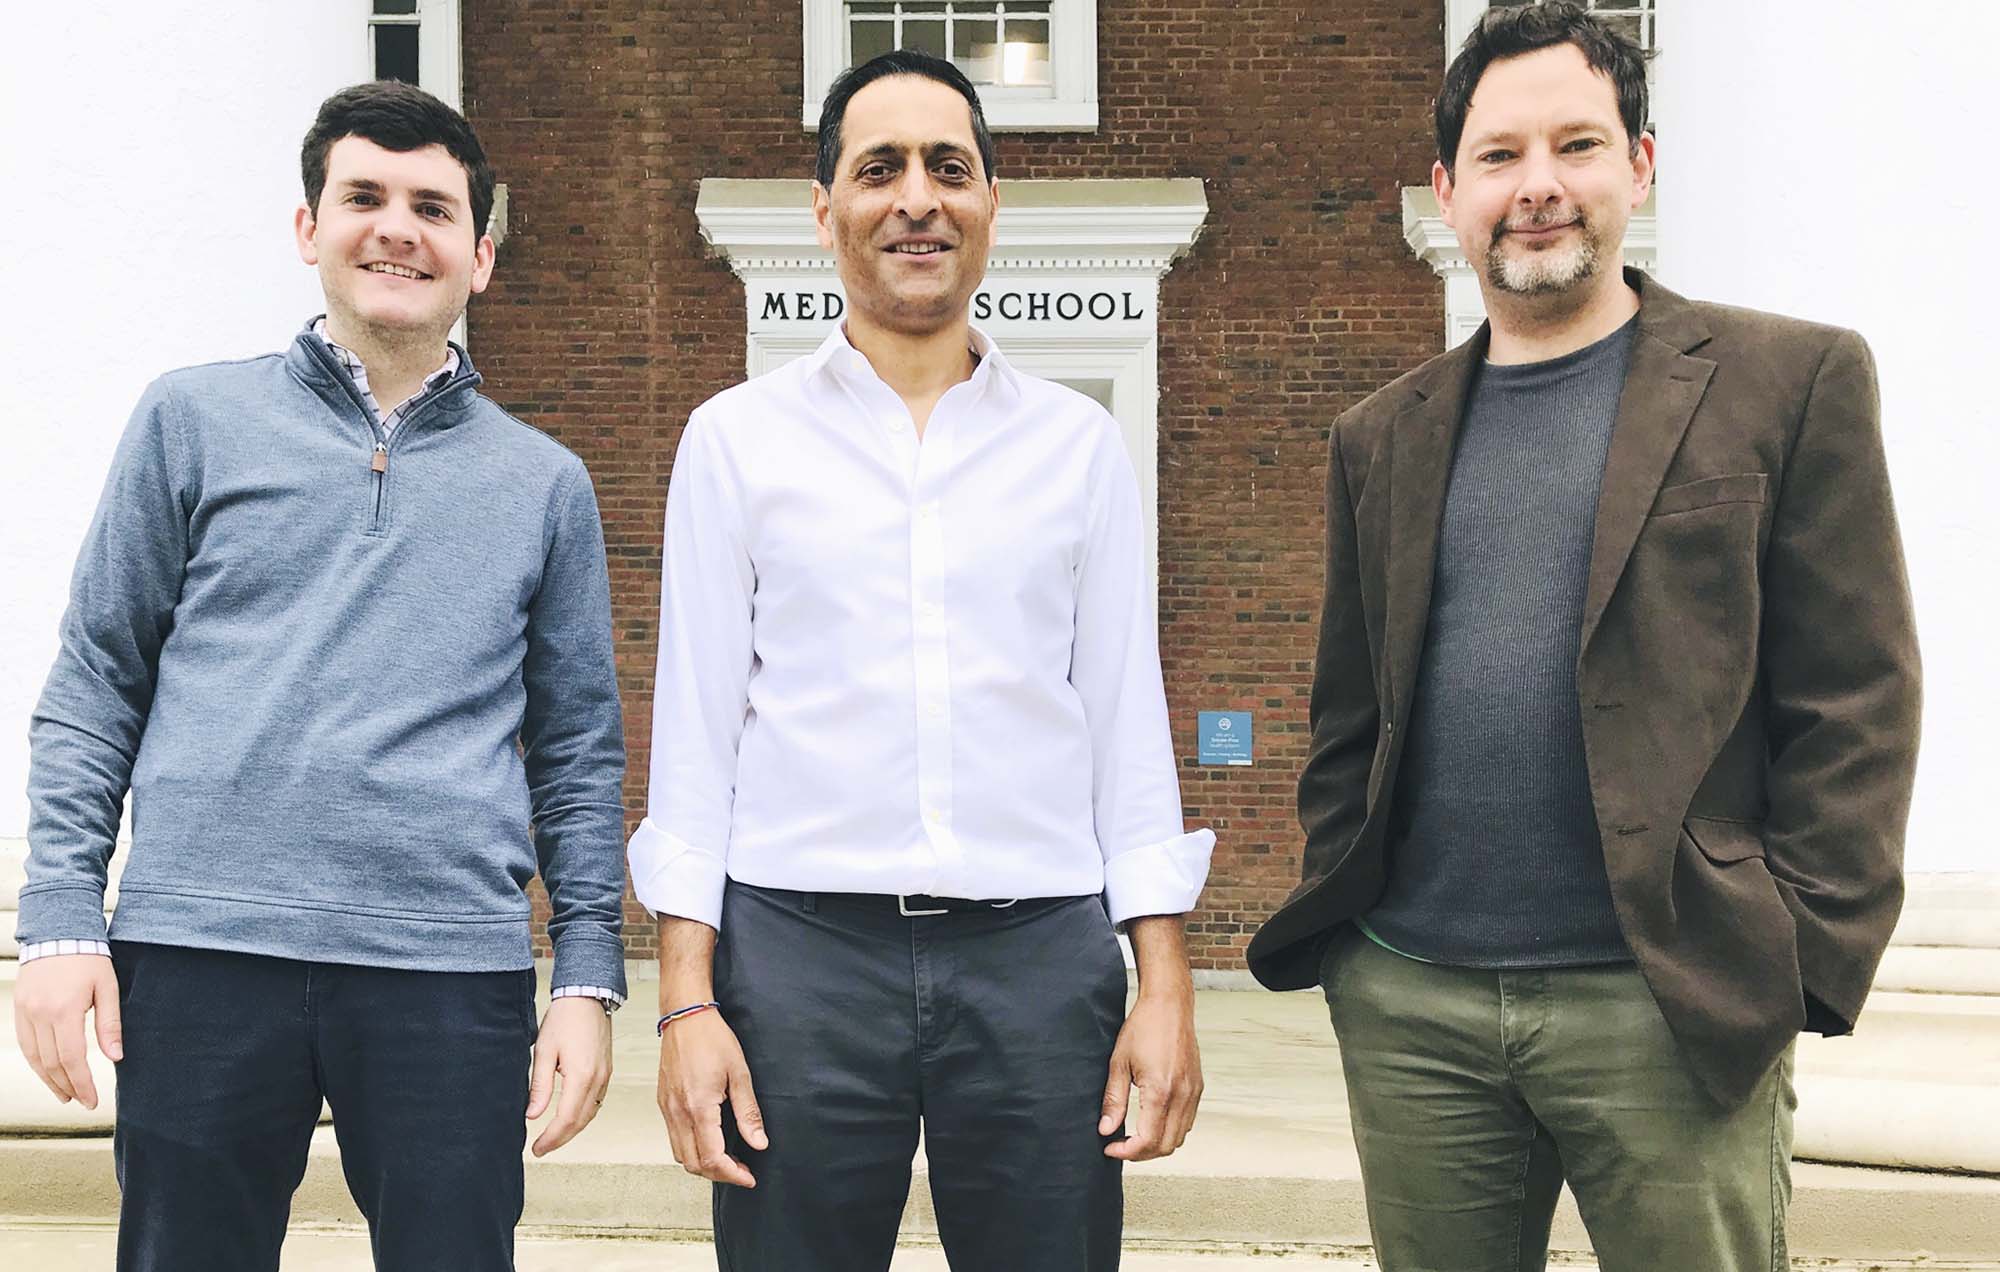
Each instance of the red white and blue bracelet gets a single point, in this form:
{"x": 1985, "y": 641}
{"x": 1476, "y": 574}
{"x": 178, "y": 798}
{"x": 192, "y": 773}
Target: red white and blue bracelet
{"x": 670, "y": 1017}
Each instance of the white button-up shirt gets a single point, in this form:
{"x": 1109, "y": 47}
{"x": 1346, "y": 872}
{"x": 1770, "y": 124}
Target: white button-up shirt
{"x": 899, "y": 666}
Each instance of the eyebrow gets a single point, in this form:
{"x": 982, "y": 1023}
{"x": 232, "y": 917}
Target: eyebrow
{"x": 932, "y": 150}
{"x": 1490, "y": 136}
{"x": 425, "y": 195}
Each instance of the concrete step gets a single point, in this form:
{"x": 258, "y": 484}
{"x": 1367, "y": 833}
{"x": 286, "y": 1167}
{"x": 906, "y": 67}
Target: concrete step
{"x": 1270, "y": 1164}
{"x": 344, "y": 1248}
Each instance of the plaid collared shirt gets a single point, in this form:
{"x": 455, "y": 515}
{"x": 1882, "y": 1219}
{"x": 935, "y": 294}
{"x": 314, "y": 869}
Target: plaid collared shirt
{"x": 359, "y": 374}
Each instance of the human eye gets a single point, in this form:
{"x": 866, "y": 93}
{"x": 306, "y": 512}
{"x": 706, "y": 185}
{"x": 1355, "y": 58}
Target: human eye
{"x": 954, "y": 170}
{"x": 435, "y": 211}
{"x": 1582, "y": 145}
{"x": 361, "y": 199}
{"x": 871, "y": 173}
{"x": 1495, "y": 156}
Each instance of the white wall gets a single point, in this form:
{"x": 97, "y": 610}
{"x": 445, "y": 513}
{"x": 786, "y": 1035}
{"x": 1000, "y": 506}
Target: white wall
{"x": 150, "y": 157}
{"x": 1833, "y": 159}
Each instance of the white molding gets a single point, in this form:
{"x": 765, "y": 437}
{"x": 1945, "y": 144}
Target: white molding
{"x": 1102, "y": 235}
{"x": 1069, "y": 106}
{"x": 1138, "y": 226}
{"x": 1434, "y": 243}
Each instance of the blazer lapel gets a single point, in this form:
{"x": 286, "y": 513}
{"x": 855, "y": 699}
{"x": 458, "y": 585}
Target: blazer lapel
{"x": 1421, "y": 444}
{"x": 1663, "y": 386}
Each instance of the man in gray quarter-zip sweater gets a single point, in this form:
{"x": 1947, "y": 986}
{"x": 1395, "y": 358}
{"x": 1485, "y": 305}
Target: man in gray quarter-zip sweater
{"x": 341, "y": 626}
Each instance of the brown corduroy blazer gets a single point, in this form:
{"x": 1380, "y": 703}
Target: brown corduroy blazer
{"x": 1748, "y": 676}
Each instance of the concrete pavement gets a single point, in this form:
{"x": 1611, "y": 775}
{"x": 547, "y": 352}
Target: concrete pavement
{"x": 1270, "y": 1165}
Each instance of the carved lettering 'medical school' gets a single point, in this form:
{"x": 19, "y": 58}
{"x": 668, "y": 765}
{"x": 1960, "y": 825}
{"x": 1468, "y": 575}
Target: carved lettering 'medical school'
{"x": 1063, "y": 306}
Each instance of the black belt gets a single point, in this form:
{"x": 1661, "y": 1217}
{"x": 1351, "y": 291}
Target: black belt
{"x": 911, "y": 905}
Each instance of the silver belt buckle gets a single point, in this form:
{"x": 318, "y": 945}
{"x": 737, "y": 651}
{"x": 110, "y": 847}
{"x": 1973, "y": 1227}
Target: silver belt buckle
{"x": 903, "y": 908}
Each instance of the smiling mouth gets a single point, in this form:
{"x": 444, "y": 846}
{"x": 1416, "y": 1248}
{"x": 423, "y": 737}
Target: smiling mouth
{"x": 916, "y": 249}
{"x": 395, "y": 271}
{"x": 1533, "y": 230}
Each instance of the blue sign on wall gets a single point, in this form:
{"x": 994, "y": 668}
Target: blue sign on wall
{"x": 1225, "y": 737}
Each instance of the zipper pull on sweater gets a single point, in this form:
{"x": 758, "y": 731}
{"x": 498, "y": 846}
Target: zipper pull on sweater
{"x": 380, "y": 463}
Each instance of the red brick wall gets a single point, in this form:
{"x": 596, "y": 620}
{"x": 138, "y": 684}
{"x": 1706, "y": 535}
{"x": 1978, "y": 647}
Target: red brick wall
{"x": 606, "y": 323}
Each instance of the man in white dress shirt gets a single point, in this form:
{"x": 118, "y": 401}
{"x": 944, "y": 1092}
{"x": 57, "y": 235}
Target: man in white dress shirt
{"x": 911, "y": 761}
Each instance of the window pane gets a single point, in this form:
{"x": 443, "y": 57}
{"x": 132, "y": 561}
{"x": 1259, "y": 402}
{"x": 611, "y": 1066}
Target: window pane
{"x": 396, "y": 51}
{"x": 853, "y": 9}
{"x": 924, "y": 36}
{"x": 1025, "y": 58}
{"x": 395, "y": 6}
{"x": 975, "y": 47}
{"x": 927, "y": 10}
{"x": 867, "y": 40}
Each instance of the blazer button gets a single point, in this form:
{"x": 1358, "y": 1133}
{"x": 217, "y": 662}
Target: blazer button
{"x": 1389, "y": 726}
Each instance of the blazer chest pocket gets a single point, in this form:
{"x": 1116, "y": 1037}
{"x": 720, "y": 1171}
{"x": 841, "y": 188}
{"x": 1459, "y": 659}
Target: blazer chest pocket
{"x": 1710, "y": 491}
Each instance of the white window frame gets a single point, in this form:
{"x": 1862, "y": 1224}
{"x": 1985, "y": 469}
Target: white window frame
{"x": 439, "y": 69}
{"x": 1071, "y": 105}
{"x": 1460, "y": 16}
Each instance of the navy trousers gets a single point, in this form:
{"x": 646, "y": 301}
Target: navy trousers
{"x": 990, "y": 1030}
{"x": 227, "y": 1057}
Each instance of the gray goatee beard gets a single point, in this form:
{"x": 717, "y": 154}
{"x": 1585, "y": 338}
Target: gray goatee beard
{"x": 1544, "y": 273}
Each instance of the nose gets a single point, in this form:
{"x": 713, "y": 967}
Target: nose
{"x": 916, "y": 194}
{"x": 1541, "y": 182}
{"x": 395, "y": 222}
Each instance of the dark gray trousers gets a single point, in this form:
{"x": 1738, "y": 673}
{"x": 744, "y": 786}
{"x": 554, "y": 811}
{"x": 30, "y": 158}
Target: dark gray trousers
{"x": 227, "y": 1057}
{"x": 992, "y": 1030}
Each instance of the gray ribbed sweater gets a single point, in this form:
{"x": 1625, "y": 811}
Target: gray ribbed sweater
{"x": 312, "y": 672}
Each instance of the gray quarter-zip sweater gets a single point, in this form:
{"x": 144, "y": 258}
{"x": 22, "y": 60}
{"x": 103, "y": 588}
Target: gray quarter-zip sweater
{"x": 309, "y": 651}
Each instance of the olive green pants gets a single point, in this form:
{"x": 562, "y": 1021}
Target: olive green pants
{"x": 1475, "y": 1094}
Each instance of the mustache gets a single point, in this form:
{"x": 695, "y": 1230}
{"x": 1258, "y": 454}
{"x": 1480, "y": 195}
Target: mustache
{"x": 1539, "y": 221}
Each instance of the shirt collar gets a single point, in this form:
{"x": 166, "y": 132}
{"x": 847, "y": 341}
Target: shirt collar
{"x": 357, "y": 369}
{"x": 837, "y": 356}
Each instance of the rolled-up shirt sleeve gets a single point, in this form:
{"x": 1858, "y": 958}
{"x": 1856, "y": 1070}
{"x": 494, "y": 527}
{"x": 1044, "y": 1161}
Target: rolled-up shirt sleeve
{"x": 1152, "y": 863}
{"x": 680, "y": 852}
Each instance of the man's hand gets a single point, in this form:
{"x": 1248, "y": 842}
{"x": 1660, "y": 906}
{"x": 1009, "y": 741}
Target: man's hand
{"x": 701, "y": 1065}
{"x": 575, "y": 1041}
{"x": 51, "y": 995}
{"x": 1156, "y": 1050}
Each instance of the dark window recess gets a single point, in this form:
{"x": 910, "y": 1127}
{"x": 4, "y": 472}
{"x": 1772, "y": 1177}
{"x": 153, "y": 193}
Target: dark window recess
{"x": 395, "y": 6}
{"x": 396, "y": 52}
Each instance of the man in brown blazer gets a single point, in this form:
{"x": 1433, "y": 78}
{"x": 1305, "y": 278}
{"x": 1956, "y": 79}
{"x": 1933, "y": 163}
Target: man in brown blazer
{"x": 1614, "y": 717}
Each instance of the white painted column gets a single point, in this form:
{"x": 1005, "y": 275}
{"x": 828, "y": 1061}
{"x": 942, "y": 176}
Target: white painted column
{"x": 1831, "y": 159}
{"x": 153, "y": 156}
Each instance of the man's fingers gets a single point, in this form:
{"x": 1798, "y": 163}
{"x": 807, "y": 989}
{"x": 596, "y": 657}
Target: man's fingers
{"x": 570, "y": 1116}
{"x": 543, "y": 1083}
{"x": 74, "y": 1053}
{"x": 712, "y": 1159}
{"x": 1143, "y": 1123}
{"x": 108, "y": 1014}
{"x": 1117, "y": 1091}
{"x": 743, "y": 1102}
{"x": 48, "y": 1063}
{"x": 680, "y": 1131}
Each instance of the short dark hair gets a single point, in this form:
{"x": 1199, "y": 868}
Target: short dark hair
{"x": 895, "y": 62}
{"x": 401, "y": 117}
{"x": 1514, "y": 29}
